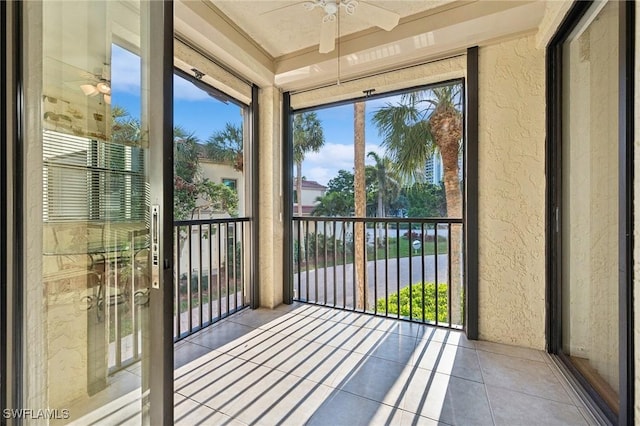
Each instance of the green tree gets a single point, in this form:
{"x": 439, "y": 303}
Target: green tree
{"x": 186, "y": 168}
{"x": 342, "y": 183}
{"x": 218, "y": 197}
{"x": 387, "y": 184}
{"x": 225, "y": 146}
{"x": 422, "y": 122}
{"x": 426, "y": 200}
{"x": 308, "y": 136}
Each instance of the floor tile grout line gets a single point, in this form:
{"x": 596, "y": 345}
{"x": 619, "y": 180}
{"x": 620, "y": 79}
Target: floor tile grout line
{"x": 511, "y": 356}
{"x": 519, "y": 360}
{"x": 486, "y": 392}
{"x": 391, "y": 406}
{"x": 207, "y": 406}
{"x": 571, "y": 404}
{"x": 385, "y": 333}
{"x": 257, "y": 364}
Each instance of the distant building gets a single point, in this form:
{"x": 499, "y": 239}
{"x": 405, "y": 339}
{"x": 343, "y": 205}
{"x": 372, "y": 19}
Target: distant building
{"x": 227, "y": 174}
{"x": 311, "y": 190}
{"x": 434, "y": 170}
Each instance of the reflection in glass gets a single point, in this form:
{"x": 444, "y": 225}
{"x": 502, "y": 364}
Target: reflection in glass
{"x": 590, "y": 201}
{"x": 95, "y": 204}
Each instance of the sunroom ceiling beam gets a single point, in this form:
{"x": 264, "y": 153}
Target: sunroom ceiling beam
{"x": 203, "y": 24}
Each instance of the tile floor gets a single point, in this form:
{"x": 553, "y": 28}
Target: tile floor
{"x": 303, "y": 364}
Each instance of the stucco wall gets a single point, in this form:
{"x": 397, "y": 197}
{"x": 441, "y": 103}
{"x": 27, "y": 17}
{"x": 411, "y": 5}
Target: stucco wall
{"x": 512, "y": 193}
{"x": 554, "y": 13}
{"x": 270, "y": 235}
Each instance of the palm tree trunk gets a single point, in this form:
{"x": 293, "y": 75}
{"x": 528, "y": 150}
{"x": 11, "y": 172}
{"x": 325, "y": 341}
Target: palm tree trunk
{"x": 360, "y": 202}
{"x": 299, "y": 187}
{"x": 381, "y": 213}
{"x": 449, "y": 152}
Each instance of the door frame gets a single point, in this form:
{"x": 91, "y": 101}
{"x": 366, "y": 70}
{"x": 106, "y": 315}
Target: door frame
{"x": 554, "y": 198}
{"x": 159, "y": 369}
{"x": 11, "y": 203}
{"x": 12, "y": 379}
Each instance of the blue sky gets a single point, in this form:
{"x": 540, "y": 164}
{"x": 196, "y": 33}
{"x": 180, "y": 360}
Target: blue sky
{"x": 194, "y": 110}
{"x": 199, "y": 113}
{"x": 337, "y": 152}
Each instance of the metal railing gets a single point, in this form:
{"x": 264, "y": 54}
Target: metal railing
{"x": 401, "y": 268}
{"x": 211, "y": 271}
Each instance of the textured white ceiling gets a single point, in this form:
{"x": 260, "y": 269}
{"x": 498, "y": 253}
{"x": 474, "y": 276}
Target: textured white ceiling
{"x": 276, "y": 42}
{"x": 282, "y": 27}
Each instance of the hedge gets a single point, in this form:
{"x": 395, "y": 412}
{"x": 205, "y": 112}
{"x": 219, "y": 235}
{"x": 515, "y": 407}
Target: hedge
{"x": 416, "y": 296}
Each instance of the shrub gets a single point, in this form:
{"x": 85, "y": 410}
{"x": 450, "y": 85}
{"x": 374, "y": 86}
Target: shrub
{"x": 416, "y": 297}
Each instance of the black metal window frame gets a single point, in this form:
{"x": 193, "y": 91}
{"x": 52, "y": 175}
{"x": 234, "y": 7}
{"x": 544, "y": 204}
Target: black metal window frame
{"x": 626, "y": 225}
{"x": 11, "y": 234}
{"x": 3, "y": 206}
{"x": 470, "y": 192}
{"x": 252, "y": 123}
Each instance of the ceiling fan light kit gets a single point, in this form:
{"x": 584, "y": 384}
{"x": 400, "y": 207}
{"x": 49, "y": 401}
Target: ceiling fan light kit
{"x": 331, "y": 6}
{"x": 102, "y": 87}
{"x": 378, "y": 16}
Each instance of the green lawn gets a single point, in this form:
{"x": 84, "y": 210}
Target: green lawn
{"x": 391, "y": 252}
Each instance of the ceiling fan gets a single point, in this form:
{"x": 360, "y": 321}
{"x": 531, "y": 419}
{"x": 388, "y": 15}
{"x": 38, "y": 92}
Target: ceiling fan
{"x": 376, "y": 15}
{"x": 102, "y": 84}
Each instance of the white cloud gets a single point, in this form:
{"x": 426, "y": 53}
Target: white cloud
{"x": 125, "y": 71}
{"x": 324, "y": 165}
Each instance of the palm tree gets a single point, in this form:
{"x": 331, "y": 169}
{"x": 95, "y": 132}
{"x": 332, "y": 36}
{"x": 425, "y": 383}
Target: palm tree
{"x": 421, "y": 123}
{"x": 307, "y": 137}
{"x": 360, "y": 200}
{"x": 226, "y": 146}
{"x": 388, "y": 185}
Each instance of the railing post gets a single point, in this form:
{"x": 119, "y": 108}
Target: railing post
{"x": 236, "y": 239}
{"x": 308, "y": 251}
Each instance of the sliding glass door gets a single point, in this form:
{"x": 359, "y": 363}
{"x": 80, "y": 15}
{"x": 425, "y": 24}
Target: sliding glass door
{"x": 589, "y": 182}
{"x": 97, "y": 89}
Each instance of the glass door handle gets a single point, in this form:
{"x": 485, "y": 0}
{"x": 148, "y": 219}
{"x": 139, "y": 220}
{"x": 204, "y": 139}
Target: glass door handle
{"x": 155, "y": 246}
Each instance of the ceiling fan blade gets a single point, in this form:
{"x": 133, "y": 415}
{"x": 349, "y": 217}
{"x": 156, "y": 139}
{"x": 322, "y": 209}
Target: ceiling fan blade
{"x": 328, "y": 36}
{"x": 286, "y": 6}
{"x": 378, "y": 16}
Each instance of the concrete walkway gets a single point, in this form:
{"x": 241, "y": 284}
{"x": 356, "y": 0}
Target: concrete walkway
{"x": 335, "y": 285}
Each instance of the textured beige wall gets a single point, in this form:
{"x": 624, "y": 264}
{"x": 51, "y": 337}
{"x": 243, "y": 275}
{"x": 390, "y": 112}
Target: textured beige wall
{"x": 432, "y": 72}
{"x": 270, "y": 199}
{"x": 554, "y": 12}
{"x": 512, "y": 193}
